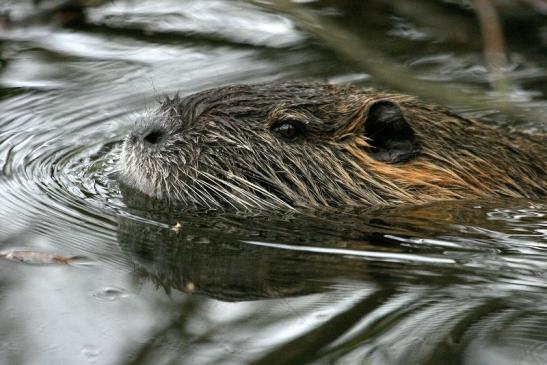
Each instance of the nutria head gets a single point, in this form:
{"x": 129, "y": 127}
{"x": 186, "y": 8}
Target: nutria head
{"x": 312, "y": 144}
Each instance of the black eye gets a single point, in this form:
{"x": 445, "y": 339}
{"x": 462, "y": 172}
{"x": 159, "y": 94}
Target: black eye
{"x": 289, "y": 130}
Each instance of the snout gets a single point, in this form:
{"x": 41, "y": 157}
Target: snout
{"x": 141, "y": 158}
{"x": 147, "y": 138}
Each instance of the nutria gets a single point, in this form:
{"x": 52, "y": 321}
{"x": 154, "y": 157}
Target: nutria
{"x": 294, "y": 144}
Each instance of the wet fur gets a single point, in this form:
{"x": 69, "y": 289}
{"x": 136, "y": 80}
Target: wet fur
{"x": 220, "y": 151}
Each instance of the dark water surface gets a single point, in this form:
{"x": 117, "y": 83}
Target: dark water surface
{"x": 451, "y": 283}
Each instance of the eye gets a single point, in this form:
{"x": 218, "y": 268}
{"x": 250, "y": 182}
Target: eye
{"x": 289, "y": 130}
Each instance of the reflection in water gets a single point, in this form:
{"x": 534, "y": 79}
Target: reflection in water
{"x": 440, "y": 284}
{"x": 453, "y": 295}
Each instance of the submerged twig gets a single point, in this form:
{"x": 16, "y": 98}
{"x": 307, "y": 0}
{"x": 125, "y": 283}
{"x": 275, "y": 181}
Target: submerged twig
{"x": 40, "y": 258}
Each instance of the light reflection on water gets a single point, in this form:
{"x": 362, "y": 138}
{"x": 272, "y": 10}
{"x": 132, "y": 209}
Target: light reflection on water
{"x": 450, "y": 283}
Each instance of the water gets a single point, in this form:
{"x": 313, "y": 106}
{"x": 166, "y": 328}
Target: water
{"x": 458, "y": 283}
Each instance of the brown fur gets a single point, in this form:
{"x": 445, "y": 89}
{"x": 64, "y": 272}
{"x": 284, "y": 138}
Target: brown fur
{"x": 219, "y": 148}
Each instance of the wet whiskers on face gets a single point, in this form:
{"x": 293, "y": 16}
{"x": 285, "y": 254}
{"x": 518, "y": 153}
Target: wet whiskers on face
{"x": 288, "y": 145}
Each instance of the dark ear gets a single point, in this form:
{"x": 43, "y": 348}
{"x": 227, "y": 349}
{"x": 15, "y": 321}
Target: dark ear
{"x": 390, "y": 136}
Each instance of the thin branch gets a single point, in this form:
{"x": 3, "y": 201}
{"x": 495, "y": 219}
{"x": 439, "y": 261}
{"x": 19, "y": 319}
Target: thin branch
{"x": 493, "y": 43}
{"x": 389, "y": 73}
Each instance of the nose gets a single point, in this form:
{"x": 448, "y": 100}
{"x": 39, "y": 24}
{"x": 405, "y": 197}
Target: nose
{"x": 153, "y": 137}
{"x": 147, "y": 137}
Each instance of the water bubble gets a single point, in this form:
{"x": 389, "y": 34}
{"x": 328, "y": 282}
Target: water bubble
{"x": 110, "y": 294}
{"x": 91, "y": 352}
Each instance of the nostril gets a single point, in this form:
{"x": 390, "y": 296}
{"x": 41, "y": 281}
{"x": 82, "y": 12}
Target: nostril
{"x": 153, "y": 137}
